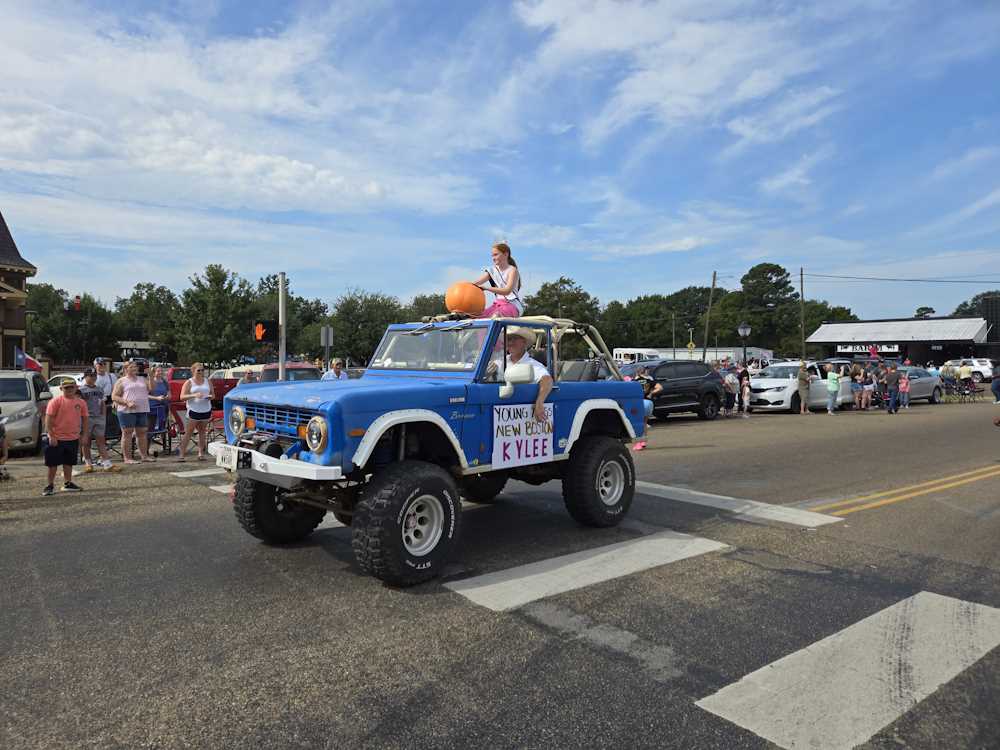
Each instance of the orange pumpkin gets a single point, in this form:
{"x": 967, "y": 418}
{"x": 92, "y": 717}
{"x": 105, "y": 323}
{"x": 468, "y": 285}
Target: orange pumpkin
{"x": 465, "y": 297}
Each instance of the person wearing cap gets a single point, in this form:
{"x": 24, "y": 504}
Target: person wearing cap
{"x": 65, "y": 422}
{"x": 97, "y": 419}
{"x": 105, "y": 379}
{"x": 518, "y": 341}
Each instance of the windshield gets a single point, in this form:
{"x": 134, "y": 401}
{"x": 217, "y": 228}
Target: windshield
{"x": 14, "y": 389}
{"x": 180, "y": 373}
{"x": 447, "y": 350}
{"x": 779, "y": 372}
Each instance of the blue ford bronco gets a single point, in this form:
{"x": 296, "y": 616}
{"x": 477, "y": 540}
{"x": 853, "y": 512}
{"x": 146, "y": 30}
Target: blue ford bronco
{"x": 440, "y": 413}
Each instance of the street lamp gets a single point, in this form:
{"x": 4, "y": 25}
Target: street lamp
{"x": 744, "y": 331}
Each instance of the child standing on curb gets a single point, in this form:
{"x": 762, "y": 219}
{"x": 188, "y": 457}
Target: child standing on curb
{"x": 65, "y": 422}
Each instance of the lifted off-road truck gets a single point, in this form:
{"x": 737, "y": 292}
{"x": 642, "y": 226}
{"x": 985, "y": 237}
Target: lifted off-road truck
{"x": 437, "y": 416}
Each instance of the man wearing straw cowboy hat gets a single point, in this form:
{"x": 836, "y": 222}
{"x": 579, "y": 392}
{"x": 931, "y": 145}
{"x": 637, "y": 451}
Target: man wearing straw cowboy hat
{"x": 518, "y": 341}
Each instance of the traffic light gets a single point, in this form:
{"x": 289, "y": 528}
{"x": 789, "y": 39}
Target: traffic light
{"x": 265, "y": 331}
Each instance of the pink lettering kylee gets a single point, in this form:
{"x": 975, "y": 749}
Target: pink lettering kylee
{"x": 506, "y": 451}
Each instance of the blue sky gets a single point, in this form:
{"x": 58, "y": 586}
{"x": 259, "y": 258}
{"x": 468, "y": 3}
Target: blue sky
{"x": 634, "y": 146}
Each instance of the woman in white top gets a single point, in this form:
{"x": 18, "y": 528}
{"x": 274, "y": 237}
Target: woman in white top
{"x": 197, "y": 394}
{"x": 504, "y": 281}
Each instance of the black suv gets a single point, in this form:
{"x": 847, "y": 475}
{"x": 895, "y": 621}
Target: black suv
{"x": 687, "y": 386}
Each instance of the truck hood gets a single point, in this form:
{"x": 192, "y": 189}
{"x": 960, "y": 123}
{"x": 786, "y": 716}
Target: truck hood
{"x": 367, "y": 393}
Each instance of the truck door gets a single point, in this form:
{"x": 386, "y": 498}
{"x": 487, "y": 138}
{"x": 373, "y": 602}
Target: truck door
{"x": 484, "y": 394}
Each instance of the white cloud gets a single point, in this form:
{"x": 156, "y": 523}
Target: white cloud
{"x": 971, "y": 159}
{"x": 794, "y": 112}
{"x": 950, "y": 221}
{"x": 797, "y": 176}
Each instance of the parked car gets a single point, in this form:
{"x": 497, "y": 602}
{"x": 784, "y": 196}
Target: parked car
{"x": 23, "y": 397}
{"x": 175, "y": 379}
{"x": 776, "y": 388}
{"x": 923, "y": 385}
{"x": 223, "y": 381}
{"x": 438, "y": 415}
{"x": 56, "y": 379}
{"x": 687, "y": 387}
{"x": 982, "y": 369}
{"x": 293, "y": 371}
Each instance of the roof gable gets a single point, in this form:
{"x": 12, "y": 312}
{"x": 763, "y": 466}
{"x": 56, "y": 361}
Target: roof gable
{"x": 10, "y": 257}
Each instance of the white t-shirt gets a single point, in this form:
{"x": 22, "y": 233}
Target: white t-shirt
{"x": 537, "y": 367}
{"x": 332, "y": 375}
{"x": 106, "y": 383}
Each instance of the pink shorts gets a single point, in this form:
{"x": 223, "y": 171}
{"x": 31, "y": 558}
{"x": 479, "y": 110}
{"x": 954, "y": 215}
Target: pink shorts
{"x": 502, "y": 309}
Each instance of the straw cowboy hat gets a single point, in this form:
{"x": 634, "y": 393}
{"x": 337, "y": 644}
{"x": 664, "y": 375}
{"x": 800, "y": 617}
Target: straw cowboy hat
{"x": 528, "y": 334}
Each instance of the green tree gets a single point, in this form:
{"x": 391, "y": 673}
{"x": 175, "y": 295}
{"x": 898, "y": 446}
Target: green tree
{"x": 924, "y": 312}
{"x": 359, "y": 320}
{"x": 424, "y": 306}
{"x": 563, "y": 298}
{"x": 975, "y": 307}
{"x": 65, "y": 334}
{"x": 148, "y": 315}
{"x": 214, "y": 317}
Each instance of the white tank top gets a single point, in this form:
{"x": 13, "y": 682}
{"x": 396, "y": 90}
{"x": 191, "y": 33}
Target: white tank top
{"x": 499, "y": 279}
{"x": 204, "y": 402}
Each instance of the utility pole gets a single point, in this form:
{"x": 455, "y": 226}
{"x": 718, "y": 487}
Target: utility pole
{"x": 673, "y": 335}
{"x": 281, "y": 325}
{"x": 708, "y": 317}
{"x": 802, "y": 310}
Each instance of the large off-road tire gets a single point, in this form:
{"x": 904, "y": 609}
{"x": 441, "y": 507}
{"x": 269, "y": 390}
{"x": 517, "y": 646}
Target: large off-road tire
{"x": 262, "y": 512}
{"x": 483, "y": 488}
{"x": 599, "y": 482}
{"x": 405, "y": 522}
{"x": 709, "y": 408}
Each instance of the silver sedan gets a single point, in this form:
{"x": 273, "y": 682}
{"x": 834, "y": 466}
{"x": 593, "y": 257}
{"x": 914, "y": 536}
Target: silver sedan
{"x": 923, "y": 385}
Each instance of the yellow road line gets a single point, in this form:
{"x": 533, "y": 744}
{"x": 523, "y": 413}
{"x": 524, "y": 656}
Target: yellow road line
{"x": 898, "y": 498}
{"x": 874, "y": 495}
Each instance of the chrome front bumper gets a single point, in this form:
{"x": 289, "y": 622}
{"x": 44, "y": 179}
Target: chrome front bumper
{"x": 277, "y": 471}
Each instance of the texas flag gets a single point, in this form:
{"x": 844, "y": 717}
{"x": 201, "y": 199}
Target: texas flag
{"x": 24, "y": 361}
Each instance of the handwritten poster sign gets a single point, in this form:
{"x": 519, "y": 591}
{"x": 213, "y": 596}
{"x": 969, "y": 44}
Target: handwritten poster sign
{"x": 518, "y": 438}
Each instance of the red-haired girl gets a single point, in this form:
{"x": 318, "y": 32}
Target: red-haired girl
{"x": 504, "y": 281}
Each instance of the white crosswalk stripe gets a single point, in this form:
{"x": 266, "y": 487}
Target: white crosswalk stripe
{"x": 838, "y": 692}
{"x": 750, "y": 509}
{"x": 514, "y": 587}
{"x": 214, "y": 471}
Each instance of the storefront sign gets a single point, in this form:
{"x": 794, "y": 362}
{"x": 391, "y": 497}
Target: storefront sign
{"x": 518, "y": 438}
{"x": 866, "y": 348}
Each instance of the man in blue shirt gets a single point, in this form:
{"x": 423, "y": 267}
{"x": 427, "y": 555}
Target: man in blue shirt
{"x": 336, "y": 371}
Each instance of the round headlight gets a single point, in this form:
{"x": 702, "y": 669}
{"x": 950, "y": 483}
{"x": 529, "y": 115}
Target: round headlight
{"x": 316, "y": 434}
{"x": 237, "y": 420}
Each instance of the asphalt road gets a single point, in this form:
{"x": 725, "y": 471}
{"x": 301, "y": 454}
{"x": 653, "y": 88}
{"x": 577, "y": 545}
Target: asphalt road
{"x": 137, "y": 614}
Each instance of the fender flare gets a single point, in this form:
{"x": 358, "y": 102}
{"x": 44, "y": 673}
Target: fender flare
{"x": 595, "y": 404}
{"x": 404, "y": 416}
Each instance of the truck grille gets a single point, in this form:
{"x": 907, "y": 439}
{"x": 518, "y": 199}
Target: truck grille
{"x": 282, "y": 419}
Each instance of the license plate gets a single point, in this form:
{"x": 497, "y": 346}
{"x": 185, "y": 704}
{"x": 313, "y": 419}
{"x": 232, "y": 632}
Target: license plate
{"x": 227, "y": 456}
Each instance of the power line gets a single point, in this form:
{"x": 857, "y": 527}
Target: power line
{"x": 941, "y": 280}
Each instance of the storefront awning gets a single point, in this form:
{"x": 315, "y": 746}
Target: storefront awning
{"x": 898, "y": 331}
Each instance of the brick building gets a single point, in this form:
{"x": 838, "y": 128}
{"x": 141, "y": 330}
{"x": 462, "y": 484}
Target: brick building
{"x": 14, "y": 273}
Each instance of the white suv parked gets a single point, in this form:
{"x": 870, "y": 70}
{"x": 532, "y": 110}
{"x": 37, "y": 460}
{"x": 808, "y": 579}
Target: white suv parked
{"x": 982, "y": 369}
{"x": 23, "y": 397}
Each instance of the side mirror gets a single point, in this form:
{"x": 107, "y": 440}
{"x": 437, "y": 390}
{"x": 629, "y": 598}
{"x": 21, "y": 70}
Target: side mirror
{"x": 44, "y": 396}
{"x": 520, "y": 374}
